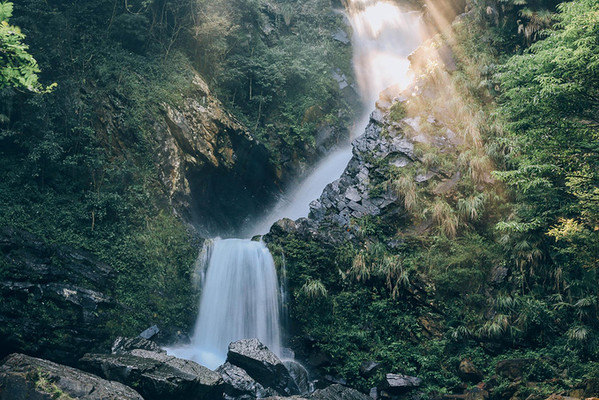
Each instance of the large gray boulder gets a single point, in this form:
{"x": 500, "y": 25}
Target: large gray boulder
{"x": 240, "y": 386}
{"x": 262, "y": 365}
{"x": 156, "y": 375}
{"x": 338, "y": 392}
{"x": 23, "y": 377}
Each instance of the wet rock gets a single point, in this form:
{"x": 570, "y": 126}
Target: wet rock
{"x": 300, "y": 375}
{"x": 352, "y": 194}
{"x": 377, "y": 117}
{"x": 341, "y": 79}
{"x": 208, "y": 156}
{"x": 150, "y": 332}
{"x": 124, "y": 345}
{"x": 262, "y": 365}
{"x": 368, "y": 368}
{"x": 395, "y": 384}
{"x": 55, "y": 298}
{"x": 23, "y": 377}
{"x": 468, "y": 372}
{"x": 157, "y": 375}
{"x": 341, "y": 36}
{"x": 338, "y": 392}
{"x": 239, "y": 385}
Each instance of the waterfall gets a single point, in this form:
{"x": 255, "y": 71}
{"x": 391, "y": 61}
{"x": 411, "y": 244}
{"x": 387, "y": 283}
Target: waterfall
{"x": 240, "y": 299}
{"x": 240, "y": 293}
{"x": 384, "y": 35}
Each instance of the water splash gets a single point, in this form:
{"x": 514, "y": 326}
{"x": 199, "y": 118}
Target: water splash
{"x": 240, "y": 299}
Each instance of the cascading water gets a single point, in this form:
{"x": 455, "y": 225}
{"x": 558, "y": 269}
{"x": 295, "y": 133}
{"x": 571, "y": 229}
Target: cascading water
{"x": 383, "y": 37}
{"x": 240, "y": 299}
{"x": 240, "y": 295}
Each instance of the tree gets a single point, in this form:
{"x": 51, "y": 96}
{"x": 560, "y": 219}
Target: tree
{"x": 551, "y": 100}
{"x": 18, "y": 68}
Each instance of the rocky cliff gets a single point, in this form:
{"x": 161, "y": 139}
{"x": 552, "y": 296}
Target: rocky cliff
{"x": 56, "y": 300}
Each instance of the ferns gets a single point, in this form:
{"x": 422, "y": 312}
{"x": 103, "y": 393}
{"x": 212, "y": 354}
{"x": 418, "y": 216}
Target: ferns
{"x": 472, "y": 207}
{"x": 405, "y": 188}
{"x": 314, "y": 289}
{"x": 444, "y": 215}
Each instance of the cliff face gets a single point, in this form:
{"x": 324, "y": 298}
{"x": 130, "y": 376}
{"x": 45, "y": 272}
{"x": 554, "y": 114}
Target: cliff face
{"x": 56, "y": 299}
{"x": 208, "y": 156}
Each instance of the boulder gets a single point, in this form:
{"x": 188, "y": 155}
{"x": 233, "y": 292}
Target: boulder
{"x": 468, "y": 372}
{"x": 338, "y": 392}
{"x": 395, "y": 384}
{"x": 157, "y": 375}
{"x": 23, "y": 377}
{"x": 262, "y": 365}
{"x": 300, "y": 375}
{"x": 56, "y": 300}
{"x": 150, "y": 332}
{"x": 124, "y": 345}
{"x": 513, "y": 368}
{"x": 368, "y": 368}
{"x": 239, "y": 385}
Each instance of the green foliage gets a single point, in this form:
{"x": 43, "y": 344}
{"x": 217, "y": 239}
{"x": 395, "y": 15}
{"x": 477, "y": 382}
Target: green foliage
{"x": 17, "y": 67}
{"x": 272, "y": 64}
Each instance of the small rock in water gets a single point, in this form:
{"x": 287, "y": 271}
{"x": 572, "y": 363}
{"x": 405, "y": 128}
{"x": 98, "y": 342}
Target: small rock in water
{"x": 150, "y": 332}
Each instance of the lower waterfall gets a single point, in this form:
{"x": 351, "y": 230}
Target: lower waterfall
{"x": 240, "y": 300}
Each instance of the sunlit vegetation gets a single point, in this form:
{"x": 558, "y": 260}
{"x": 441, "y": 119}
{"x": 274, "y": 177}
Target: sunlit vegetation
{"x": 503, "y": 262}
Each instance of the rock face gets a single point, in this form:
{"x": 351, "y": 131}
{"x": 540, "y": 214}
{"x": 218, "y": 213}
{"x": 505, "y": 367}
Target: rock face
{"x": 55, "y": 298}
{"x": 262, "y": 365}
{"x": 351, "y": 196}
{"x": 23, "y": 377}
{"x": 209, "y": 156}
{"x": 157, "y": 375}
